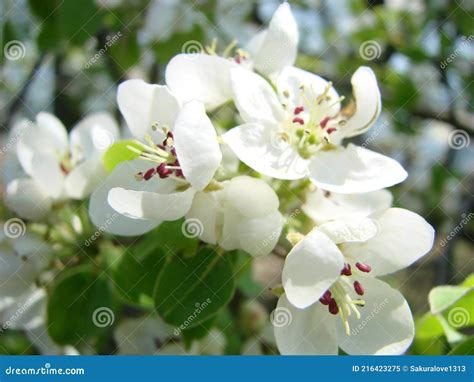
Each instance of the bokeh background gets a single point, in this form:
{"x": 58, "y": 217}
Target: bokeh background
{"x": 68, "y": 57}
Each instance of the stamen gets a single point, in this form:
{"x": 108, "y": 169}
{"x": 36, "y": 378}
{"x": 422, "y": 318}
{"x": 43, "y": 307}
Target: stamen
{"x": 358, "y": 288}
{"x": 333, "y": 308}
{"x": 149, "y": 173}
{"x": 298, "y": 120}
{"x": 346, "y": 271}
{"x": 331, "y": 130}
{"x": 324, "y": 122}
{"x": 298, "y": 109}
{"x": 363, "y": 267}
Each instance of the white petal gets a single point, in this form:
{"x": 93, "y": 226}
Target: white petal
{"x": 29, "y": 311}
{"x": 304, "y": 331}
{"x": 354, "y": 170}
{"x": 151, "y": 205}
{"x": 200, "y": 77}
{"x": 48, "y": 135}
{"x": 27, "y": 199}
{"x": 311, "y": 268}
{"x": 196, "y": 145}
{"x": 280, "y": 44}
{"x": 292, "y": 80}
{"x": 322, "y": 207}
{"x": 104, "y": 216}
{"x": 229, "y": 239}
{"x": 403, "y": 237}
{"x": 47, "y": 173}
{"x": 258, "y": 236}
{"x": 349, "y": 230}
{"x": 261, "y": 149}
{"x": 93, "y": 133}
{"x": 386, "y": 324}
{"x": 143, "y": 104}
{"x": 255, "y": 98}
{"x": 368, "y": 102}
{"x": 204, "y": 210}
{"x": 251, "y": 197}
{"x": 84, "y": 178}
{"x": 16, "y": 276}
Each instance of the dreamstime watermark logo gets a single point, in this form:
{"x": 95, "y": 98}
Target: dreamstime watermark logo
{"x": 192, "y": 47}
{"x": 199, "y": 309}
{"x": 110, "y": 41}
{"x": 458, "y": 139}
{"x": 458, "y": 317}
{"x": 103, "y": 139}
{"x": 378, "y": 307}
{"x": 370, "y": 50}
{"x": 14, "y": 228}
{"x": 110, "y": 219}
{"x": 466, "y": 218}
{"x": 281, "y": 317}
{"x": 465, "y": 42}
{"x": 10, "y": 321}
{"x": 192, "y": 228}
{"x": 103, "y": 317}
{"x": 14, "y": 50}
{"x": 374, "y": 133}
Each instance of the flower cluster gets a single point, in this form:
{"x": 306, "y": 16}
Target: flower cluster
{"x": 291, "y": 127}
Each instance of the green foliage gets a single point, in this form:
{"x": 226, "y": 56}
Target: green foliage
{"x": 190, "y": 290}
{"x": 75, "y": 300}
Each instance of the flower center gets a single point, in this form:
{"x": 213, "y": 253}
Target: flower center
{"x": 340, "y": 297}
{"x": 310, "y": 125}
{"x": 163, "y": 155}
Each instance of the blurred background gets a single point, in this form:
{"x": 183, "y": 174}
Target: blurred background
{"x": 68, "y": 57}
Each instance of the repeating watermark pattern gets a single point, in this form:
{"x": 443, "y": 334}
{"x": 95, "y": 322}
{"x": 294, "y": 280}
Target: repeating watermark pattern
{"x": 466, "y": 218}
{"x": 458, "y": 317}
{"x": 192, "y": 228}
{"x": 370, "y": 50}
{"x": 281, "y": 317}
{"x": 199, "y": 309}
{"x": 110, "y": 219}
{"x": 14, "y": 228}
{"x": 192, "y": 47}
{"x": 103, "y": 317}
{"x": 378, "y": 307}
{"x": 458, "y": 139}
{"x": 103, "y": 139}
{"x": 14, "y": 138}
{"x": 110, "y": 41}
{"x": 10, "y": 321}
{"x": 464, "y": 44}
{"x": 14, "y": 50}
{"x": 374, "y": 133}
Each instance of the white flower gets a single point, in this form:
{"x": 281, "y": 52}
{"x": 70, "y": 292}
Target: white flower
{"x": 297, "y": 131}
{"x": 207, "y": 77}
{"x": 179, "y": 155}
{"x": 58, "y": 167}
{"x": 324, "y": 206}
{"x": 243, "y": 215}
{"x": 331, "y": 294}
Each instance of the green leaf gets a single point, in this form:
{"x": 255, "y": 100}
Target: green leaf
{"x": 452, "y": 335}
{"x": 171, "y": 238}
{"x": 197, "y": 332}
{"x": 442, "y": 297}
{"x": 79, "y": 306}
{"x": 135, "y": 270}
{"x": 464, "y": 348}
{"x": 461, "y": 313}
{"x": 118, "y": 153}
{"x": 190, "y": 290}
{"x": 429, "y": 326}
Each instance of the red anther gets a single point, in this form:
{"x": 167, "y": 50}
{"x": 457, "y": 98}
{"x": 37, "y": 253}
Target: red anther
{"x": 324, "y": 122}
{"x": 149, "y": 173}
{"x": 169, "y": 135}
{"x": 358, "y": 288}
{"x": 333, "y": 308}
{"x": 176, "y": 162}
{"x": 363, "y": 267}
{"x": 179, "y": 173}
{"x": 64, "y": 169}
{"x": 325, "y": 298}
{"x": 161, "y": 146}
{"x": 298, "y": 109}
{"x": 162, "y": 171}
{"x": 173, "y": 151}
{"x": 346, "y": 271}
{"x": 327, "y": 295}
{"x": 237, "y": 59}
{"x": 298, "y": 120}
{"x": 323, "y": 301}
{"x": 331, "y": 130}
